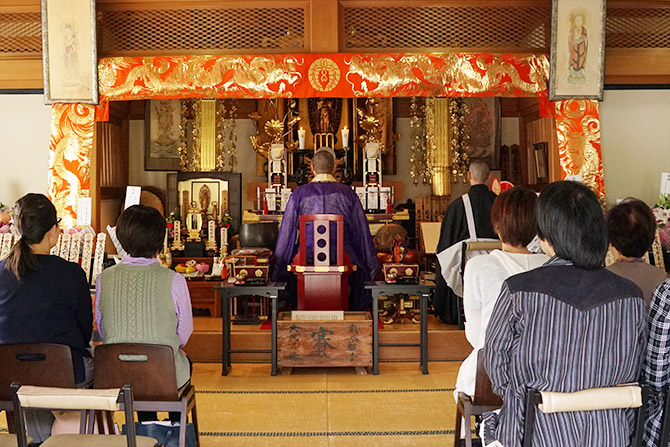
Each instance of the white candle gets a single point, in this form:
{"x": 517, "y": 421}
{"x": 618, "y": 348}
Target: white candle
{"x": 345, "y": 137}
{"x": 224, "y": 236}
{"x": 302, "y": 133}
{"x": 165, "y": 242}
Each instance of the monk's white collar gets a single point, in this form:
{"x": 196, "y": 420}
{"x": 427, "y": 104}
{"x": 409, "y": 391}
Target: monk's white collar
{"x": 321, "y": 178}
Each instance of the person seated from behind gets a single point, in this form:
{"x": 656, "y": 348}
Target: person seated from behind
{"x": 566, "y": 326}
{"x": 513, "y": 219}
{"x": 632, "y": 227}
{"x": 655, "y": 366}
{"x": 44, "y": 298}
{"x": 137, "y": 300}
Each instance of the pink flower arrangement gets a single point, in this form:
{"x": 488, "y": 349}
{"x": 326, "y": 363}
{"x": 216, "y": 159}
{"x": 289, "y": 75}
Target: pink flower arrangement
{"x": 5, "y": 218}
{"x": 662, "y": 214}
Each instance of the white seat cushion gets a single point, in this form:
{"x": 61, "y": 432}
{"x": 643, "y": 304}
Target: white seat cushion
{"x": 96, "y": 440}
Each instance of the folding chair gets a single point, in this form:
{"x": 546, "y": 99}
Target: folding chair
{"x": 87, "y": 400}
{"x": 624, "y": 396}
{"x": 39, "y": 364}
{"x": 468, "y": 406}
{"x": 150, "y": 371}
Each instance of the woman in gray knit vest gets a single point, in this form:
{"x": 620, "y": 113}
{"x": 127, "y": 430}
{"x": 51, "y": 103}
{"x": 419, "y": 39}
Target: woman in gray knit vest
{"x": 137, "y": 300}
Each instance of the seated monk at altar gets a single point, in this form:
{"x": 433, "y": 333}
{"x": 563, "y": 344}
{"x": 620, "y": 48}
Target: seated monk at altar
{"x": 325, "y": 195}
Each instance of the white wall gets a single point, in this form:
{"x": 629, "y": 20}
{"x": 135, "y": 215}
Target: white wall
{"x": 24, "y": 146}
{"x": 635, "y": 137}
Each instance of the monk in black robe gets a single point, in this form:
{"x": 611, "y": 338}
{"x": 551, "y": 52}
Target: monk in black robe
{"x": 454, "y": 229}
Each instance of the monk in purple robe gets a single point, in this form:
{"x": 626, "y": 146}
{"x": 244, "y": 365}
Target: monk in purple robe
{"x": 325, "y": 195}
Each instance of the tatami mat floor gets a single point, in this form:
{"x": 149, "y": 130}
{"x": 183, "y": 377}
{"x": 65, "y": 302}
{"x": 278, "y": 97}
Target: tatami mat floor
{"x": 326, "y": 407}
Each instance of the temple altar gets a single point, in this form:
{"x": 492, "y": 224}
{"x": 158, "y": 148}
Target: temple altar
{"x": 204, "y": 120}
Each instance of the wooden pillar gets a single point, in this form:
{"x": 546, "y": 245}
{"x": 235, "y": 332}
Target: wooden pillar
{"x": 324, "y": 26}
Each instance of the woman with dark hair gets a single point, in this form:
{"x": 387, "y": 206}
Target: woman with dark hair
{"x": 43, "y": 298}
{"x": 567, "y": 326}
{"x": 632, "y": 227}
{"x": 513, "y": 219}
{"x": 137, "y": 300}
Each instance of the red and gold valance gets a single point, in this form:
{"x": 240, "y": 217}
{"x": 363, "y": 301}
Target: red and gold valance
{"x": 315, "y": 75}
{"x": 341, "y": 75}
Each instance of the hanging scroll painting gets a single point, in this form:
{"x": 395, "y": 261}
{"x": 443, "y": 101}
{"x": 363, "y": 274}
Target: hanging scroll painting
{"x": 161, "y": 138}
{"x": 482, "y": 125}
{"x": 69, "y": 55}
{"x": 577, "y": 69}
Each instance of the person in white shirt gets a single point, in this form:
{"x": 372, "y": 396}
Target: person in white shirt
{"x": 513, "y": 219}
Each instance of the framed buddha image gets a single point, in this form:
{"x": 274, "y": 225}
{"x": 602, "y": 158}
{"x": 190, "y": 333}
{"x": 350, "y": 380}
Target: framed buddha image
{"x": 577, "y": 68}
{"x": 69, "y": 55}
{"x": 162, "y": 138}
{"x": 213, "y": 192}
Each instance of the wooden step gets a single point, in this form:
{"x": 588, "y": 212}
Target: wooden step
{"x": 445, "y": 342}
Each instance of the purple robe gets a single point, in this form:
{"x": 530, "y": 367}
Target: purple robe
{"x": 329, "y": 198}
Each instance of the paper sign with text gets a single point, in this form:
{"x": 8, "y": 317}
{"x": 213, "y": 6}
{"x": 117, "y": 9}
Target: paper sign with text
{"x": 132, "y": 196}
{"x": 665, "y": 183}
{"x": 84, "y": 211}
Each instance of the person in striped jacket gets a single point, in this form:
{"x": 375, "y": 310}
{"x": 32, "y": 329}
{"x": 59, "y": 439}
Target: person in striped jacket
{"x": 566, "y": 326}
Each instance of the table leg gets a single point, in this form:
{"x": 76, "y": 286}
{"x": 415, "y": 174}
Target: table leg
{"x": 274, "y": 335}
{"x": 424, "y": 333}
{"x": 375, "y": 333}
{"x": 225, "y": 341}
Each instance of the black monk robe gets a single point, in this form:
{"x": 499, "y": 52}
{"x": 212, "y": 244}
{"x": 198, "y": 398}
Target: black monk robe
{"x": 455, "y": 229}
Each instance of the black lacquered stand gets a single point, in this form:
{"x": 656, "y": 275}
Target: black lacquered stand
{"x": 226, "y": 292}
{"x": 381, "y": 288}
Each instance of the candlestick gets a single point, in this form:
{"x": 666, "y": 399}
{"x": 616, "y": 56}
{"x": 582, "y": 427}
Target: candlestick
{"x": 301, "y": 137}
{"x": 345, "y": 137}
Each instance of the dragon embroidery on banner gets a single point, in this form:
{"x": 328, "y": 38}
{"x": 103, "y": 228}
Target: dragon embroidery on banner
{"x": 72, "y": 133}
{"x": 198, "y": 76}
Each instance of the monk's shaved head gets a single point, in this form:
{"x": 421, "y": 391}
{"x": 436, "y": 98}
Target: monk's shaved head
{"x": 479, "y": 170}
{"x": 323, "y": 162}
